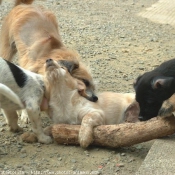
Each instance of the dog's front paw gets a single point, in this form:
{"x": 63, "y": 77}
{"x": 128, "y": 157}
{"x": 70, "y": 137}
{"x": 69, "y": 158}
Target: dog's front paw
{"x": 29, "y": 137}
{"x": 166, "y": 110}
{"x": 45, "y": 139}
{"x": 85, "y": 136}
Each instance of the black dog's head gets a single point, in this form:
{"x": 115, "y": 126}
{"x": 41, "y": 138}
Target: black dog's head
{"x": 151, "y": 90}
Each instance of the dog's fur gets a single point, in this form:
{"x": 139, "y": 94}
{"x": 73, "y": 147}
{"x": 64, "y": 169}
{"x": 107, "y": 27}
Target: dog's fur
{"x": 23, "y": 89}
{"x": 111, "y": 108}
{"x": 153, "y": 88}
{"x": 7, "y": 92}
{"x": 32, "y": 31}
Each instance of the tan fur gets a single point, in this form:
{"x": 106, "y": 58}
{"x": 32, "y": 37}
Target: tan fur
{"x": 111, "y": 108}
{"x": 168, "y": 107}
{"x": 32, "y": 31}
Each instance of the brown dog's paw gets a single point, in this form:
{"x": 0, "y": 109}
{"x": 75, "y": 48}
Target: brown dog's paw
{"x": 166, "y": 110}
{"x": 29, "y": 137}
{"x": 85, "y": 136}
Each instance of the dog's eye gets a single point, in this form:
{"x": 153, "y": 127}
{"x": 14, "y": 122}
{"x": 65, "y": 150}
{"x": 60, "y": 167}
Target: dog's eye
{"x": 86, "y": 82}
{"x": 63, "y": 68}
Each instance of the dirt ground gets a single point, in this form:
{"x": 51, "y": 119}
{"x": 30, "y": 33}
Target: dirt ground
{"x": 118, "y": 45}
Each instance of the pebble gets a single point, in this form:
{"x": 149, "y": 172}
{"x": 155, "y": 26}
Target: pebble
{"x": 60, "y": 158}
{"x": 73, "y": 161}
{"x": 23, "y": 155}
{"x": 23, "y": 150}
{"x": 1, "y": 165}
{"x": 86, "y": 152}
{"x": 123, "y": 154}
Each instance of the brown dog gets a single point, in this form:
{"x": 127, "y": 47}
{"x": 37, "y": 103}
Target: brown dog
{"x": 32, "y": 31}
{"x": 111, "y": 108}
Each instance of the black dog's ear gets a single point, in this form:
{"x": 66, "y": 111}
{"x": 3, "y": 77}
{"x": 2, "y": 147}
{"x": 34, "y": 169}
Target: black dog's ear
{"x": 162, "y": 82}
{"x": 135, "y": 82}
{"x": 70, "y": 65}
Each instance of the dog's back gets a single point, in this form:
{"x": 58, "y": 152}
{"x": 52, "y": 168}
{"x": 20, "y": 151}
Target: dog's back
{"x": 115, "y": 106}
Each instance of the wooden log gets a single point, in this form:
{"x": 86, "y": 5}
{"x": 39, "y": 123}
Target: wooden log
{"x": 121, "y": 135}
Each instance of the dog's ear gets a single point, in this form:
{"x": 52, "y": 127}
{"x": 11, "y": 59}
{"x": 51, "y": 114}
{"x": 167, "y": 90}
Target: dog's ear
{"x": 70, "y": 65}
{"x": 162, "y": 82}
{"x": 135, "y": 82}
{"x": 132, "y": 113}
{"x": 81, "y": 88}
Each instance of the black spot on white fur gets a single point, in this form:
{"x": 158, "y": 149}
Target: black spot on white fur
{"x": 18, "y": 74}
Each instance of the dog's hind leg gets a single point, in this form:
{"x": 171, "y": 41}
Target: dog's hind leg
{"x": 7, "y": 43}
{"x": 12, "y": 120}
{"x": 88, "y": 123}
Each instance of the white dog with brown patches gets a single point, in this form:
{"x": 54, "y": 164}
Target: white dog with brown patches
{"x": 72, "y": 108}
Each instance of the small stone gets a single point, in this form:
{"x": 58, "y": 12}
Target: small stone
{"x": 23, "y": 155}
{"x": 2, "y": 129}
{"x": 73, "y": 161}
{"x": 87, "y": 153}
{"x": 1, "y": 165}
{"x": 123, "y": 154}
{"x": 23, "y": 150}
{"x": 60, "y": 158}
{"x": 120, "y": 165}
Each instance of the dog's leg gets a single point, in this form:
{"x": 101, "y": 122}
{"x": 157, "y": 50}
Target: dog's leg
{"x": 89, "y": 121}
{"x": 7, "y": 44}
{"x": 168, "y": 107}
{"x": 24, "y": 116}
{"x": 12, "y": 120}
{"x": 35, "y": 119}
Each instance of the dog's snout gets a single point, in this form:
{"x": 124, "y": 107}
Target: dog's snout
{"x": 94, "y": 98}
{"x": 49, "y": 60}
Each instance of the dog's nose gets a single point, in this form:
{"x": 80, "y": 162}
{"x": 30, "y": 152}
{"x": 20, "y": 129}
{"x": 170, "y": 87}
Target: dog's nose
{"x": 94, "y": 98}
{"x": 49, "y": 60}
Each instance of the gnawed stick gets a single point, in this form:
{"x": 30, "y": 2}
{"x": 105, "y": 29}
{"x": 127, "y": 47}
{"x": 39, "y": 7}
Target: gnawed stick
{"x": 121, "y": 135}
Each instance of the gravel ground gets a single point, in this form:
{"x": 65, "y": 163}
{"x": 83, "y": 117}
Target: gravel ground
{"x": 118, "y": 45}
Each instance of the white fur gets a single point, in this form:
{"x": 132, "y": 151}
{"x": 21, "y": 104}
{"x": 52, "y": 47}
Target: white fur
{"x": 31, "y": 95}
{"x": 4, "y": 90}
{"x": 72, "y": 108}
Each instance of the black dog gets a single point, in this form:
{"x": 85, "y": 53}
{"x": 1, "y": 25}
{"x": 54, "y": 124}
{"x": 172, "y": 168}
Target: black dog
{"x": 154, "y": 87}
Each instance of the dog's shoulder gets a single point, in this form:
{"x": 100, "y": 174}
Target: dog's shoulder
{"x": 18, "y": 74}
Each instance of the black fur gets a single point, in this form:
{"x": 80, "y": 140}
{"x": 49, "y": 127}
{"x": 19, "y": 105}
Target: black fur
{"x": 19, "y": 76}
{"x": 153, "y": 87}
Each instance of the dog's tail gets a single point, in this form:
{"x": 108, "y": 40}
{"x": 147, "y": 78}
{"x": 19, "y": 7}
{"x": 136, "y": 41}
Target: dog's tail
{"x": 7, "y": 92}
{"x": 18, "y": 2}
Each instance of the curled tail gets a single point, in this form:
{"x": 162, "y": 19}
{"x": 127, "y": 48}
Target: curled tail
{"x": 7, "y": 92}
{"x": 17, "y": 2}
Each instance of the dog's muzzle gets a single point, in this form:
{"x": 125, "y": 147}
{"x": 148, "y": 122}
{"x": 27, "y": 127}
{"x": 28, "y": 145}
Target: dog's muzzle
{"x": 49, "y": 62}
{"x": 92, "y": 98}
